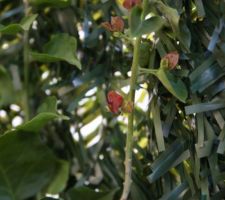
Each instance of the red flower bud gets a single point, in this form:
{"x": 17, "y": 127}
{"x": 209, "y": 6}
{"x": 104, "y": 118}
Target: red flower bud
{"x": 116, "y": 24}
{"x": 128, "y": 4}
{"x": 172, "y": 58}
{"x": 114, "y": 101}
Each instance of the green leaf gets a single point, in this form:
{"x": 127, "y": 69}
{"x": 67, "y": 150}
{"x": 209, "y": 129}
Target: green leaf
{"x": 58, "y": 182}
{"x": 170, "y": 13}
{"x": 204, "y": 107}
{"x": 136, "y": 193}
{"x": 184, "y": 34}
{"x": 11, "y": 29}
{"x": 158, "y": 127}
{"x": 27, "y": 166}
{"x": 139, "y": 27}
{"x": 27, "y": 21}
{"x": 177, "y": 193}
{"x": 61, "y": 47}
{"x": 168, "y": 159}
{"x": 55, "y": 3}
{"x": 24, "y": 25}
{"x": 49, "y": 105}
{"x": 82, "y": 193}
{"x": 172, "y": 84}
{"x": 200, "y": 8}
{"x": 144, "y": 54}
{"x": 7, "y": 90}
{"x": 39, "y": 121}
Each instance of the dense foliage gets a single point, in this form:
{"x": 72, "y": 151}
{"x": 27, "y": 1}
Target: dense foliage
{"x": 57, "y": 64}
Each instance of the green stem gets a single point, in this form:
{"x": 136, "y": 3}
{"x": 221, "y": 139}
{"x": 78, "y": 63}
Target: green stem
{"x": 26, "y": 66}
{"x": 131, "y": 98}
{"x": 150, "y": 71}
{"x": 129, "y": 140}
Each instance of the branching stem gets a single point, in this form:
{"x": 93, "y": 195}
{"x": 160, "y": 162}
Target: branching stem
{"x": 129, "y": 140}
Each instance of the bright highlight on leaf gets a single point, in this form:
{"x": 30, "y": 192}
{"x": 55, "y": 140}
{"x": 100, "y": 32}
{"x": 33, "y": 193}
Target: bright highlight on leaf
{"x": 139, "y": 27}
{"x": 61, "y": 47}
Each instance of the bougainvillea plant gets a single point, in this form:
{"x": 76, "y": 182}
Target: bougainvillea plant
{"x": 112, "y": 99}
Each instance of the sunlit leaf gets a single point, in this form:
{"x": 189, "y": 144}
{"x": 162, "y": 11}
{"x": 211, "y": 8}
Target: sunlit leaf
{"x": 24, "y": 25}
{"x": 139, "y": 27}
{"x": 61, "y": 47}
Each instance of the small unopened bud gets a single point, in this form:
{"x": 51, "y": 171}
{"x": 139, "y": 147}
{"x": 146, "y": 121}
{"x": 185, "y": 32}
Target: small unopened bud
{"x": 172, "y": 59}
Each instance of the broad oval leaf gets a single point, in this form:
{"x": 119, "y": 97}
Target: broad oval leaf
{"x": 172, "y": 84}
{"x": 36, "y": 166}
{"x": 61, "y": 47}
{"x": 139, "y": 27}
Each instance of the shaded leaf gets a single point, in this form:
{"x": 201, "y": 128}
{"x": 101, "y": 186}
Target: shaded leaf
{"x": 49, "y": 105}
{"x": 6, "y": 87}
{"x": 170, "y": 13}
{"x": 36, "y": 166}
{"x": 82, "y": 193}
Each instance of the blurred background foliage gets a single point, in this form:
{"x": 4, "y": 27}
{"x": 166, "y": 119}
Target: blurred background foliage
{"x": 73, "y": 148}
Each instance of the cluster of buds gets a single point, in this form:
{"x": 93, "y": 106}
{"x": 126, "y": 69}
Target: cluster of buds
{"x": 117, "y": 24}
{"x": 117, "y": 104}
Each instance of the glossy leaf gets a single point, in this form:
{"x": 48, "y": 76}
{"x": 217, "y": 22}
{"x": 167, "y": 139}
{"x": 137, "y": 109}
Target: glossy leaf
{"x": 174, "y": 85}
{"x": 139, "y": 27}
